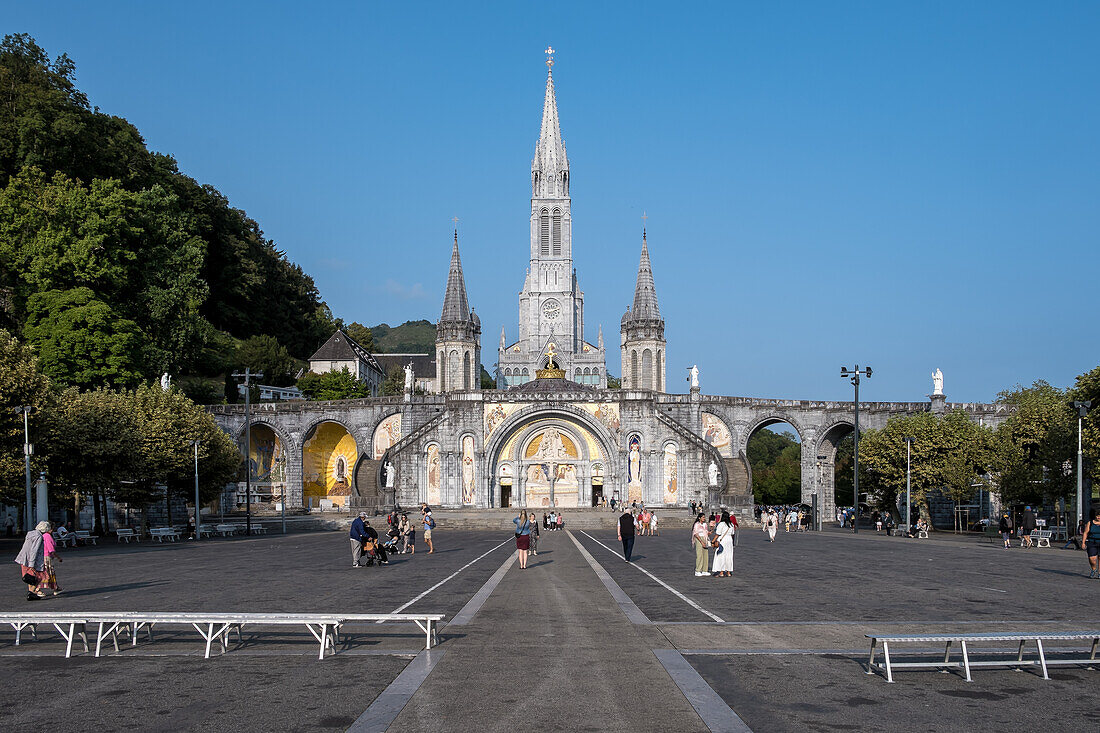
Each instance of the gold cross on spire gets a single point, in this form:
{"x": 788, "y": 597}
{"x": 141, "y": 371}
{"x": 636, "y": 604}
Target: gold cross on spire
{"x": 644, "y": 217}
{"x": 455, "y": 220}
{"x": 550, "y": 353}
{"x": 549, "y": 57}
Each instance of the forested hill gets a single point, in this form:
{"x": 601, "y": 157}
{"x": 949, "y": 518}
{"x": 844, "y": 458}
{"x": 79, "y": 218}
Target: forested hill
{"x": 116, "y": 267}
{"x": 411, "y": 337}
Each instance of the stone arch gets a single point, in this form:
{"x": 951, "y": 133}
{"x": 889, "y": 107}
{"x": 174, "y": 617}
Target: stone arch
{"x": 647, "y": 370}
{"x": 763, "y": 422}
{"x": 466, "y": 371}
{"x": 453, "y": 367}
{"x": 384, "y": 442}
{"x": 634, "y": 368}
{"x": 532, "y": 417}
{"x": 821, "y": 467}
{"x": 326, "y": 444}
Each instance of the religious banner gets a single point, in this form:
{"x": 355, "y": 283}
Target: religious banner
{"x": 469, "y": 486}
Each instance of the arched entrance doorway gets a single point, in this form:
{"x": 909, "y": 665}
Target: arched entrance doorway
{"x": 329, "y": 455}
{"x": 833, "y": 469}
{"x": 550, "y": 459}
{"x": 266, "y": 464}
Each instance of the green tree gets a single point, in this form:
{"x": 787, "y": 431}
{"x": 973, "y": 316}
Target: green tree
{"x": 169, "y": 422}
{"x": 1035, "y": 443}
{"x": 395, "y": 381}
{"x": 361, "y": 334}
{"x": 949, "y": 453}
{"x": 92, "y": 448}
{"x": 265, "y": 354}
{"x": 775, "y": 459}
{"x": 21, "y": 383}
{"x": 82, "y": 341}
{"x": 339, "y": 385}
{"x": 1087, "y": 388}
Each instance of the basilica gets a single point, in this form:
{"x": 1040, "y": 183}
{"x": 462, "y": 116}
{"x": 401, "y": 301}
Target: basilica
{"x": 552, "y": 433}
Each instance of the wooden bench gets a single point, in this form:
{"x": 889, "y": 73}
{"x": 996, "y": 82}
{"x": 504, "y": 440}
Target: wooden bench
{"x": 74, "y": 622}
{"x": 965, "y": 663}
{"x": 126, "y": 534}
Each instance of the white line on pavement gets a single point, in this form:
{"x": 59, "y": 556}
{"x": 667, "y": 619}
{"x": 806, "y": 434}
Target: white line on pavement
{"x": 675, "y": 592}
{"x": 715, "y": 713}
{"x": 402, "y": 607}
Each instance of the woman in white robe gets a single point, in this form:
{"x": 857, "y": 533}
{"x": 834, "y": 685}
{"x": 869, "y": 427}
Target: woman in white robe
{"x": 723, "y": 554}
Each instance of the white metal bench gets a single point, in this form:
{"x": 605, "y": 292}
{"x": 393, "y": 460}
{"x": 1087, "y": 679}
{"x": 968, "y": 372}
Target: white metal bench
{"x": 212, "y": 627}
{"x": 127, "y": 534}
{"x": 160, "y": 534}
{"x": 85, "y": 536}
{"x": 426, "y": 622}
{"x": 74, "y": 623}
{"x": 966, "y": 663}
{"x": 206, "y": 530}
{"x": 65, "y": 540}
{"x": 225, "y": 530}
{"x": 1041, "y": 536}
{"x": 259, "y": 529}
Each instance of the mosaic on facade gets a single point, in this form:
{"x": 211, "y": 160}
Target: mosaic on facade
{"x": 717, "y": 434}
{"x": 634, "y": 469}
{"x": 495, "y": 415}
{"x": 671, "y": 472}
{"x": 435, "y": 474}
{"x": 386, "y": 434}
{"x": 328, "y": 459}
{"x": 469, "y": 486}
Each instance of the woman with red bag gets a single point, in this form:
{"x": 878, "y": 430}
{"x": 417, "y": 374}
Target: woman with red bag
{"x": 32, "y": 560}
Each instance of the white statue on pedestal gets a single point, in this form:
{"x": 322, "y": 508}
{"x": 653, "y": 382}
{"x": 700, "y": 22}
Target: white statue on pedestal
{"x": 409, "y": 377}
{"x": 390, "y": 475}
{"x": 937, "y": 383}
{"x": 694, "y": 371}
{"x": 712, "y": 473}
{"x": 165, "y": 381}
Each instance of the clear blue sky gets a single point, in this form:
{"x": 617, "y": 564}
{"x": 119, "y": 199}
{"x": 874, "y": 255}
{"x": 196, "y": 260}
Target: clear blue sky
{"x": 906, "y": 185}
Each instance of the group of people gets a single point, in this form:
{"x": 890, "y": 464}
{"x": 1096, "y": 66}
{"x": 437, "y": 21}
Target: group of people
{"x": 719, "y": 533}
{"x": 553, "y": 522}
{"x": 793, "y": 519}
{"x": 400, "y": 536}
{"x": 37, "y": 560}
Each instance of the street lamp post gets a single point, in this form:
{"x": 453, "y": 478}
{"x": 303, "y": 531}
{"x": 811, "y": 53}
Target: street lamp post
{"x": 908, "y": 483}
{"x": 28, "y": 451}
{"x": 198, "y": 534}
{"x": 248, "y": 374}
{"x": 855, "y": 374}
{"x": 1082, "y": 411}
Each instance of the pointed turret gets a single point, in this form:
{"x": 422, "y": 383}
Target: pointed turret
{"x": 643, "y": 333}
{"x": 503, "y": 339}
{"x": 457, "y": 335}
{"x": 599, "y": 338}
{"x": 645, "y": 294}
{"x": 550, "y": 166}
{"x": 455, "y": 305}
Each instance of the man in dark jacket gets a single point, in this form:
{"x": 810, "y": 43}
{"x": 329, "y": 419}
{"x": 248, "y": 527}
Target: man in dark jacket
{"x": 358, "y": 534}
{"x": 1027, "y": 526}
{"x": 626, "y": 534}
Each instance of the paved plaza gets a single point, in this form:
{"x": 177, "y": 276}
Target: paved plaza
{"x": 578, "y": 641}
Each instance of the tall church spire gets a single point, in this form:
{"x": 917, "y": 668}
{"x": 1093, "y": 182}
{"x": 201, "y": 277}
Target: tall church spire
{"x": 550, "y": 166}
{"x": 455, "y": 305}
{"x": 645, "y": 294}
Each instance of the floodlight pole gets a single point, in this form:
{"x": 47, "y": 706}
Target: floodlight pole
{"x": 908, "y": 492}
{"x": 855, "y": 374}
{"x": 248, "y": 374}
{"x": 1082, "y": 410}
{"x": 196, "y": 444}
{"x": 28, "y": 450}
